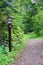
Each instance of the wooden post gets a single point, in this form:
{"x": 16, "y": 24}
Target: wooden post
{"x": 9, "y": 33}
{"x": 9, "y": 30}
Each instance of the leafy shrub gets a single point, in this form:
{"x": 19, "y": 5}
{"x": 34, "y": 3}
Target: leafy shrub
{"x": 38, "y": 22}
{"x": 17, "y": 37}
{"x": 17, "y": 33}
{"x": 41, "y": 32}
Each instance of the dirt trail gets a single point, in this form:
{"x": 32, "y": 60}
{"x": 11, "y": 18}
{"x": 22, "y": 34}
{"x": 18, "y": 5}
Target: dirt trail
{"x": 32, "y": 54}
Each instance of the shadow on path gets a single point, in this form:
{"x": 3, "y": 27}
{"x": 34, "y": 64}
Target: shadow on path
{"x": 32, "y": 54}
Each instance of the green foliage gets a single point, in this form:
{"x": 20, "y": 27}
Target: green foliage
{"x": 38, "y": 22}
{"x": 4, "y": 24}
{"x": 7, "y": 57}
{"x": 17, "y": 33}
{"x": 41, "y": 32}
{"x": 33, "y": 19}
{"x": 31, "y": 10}
{"x": 27, "y": 25}
{"x": 30, "y": 36}
{"x": 28, "y": 18}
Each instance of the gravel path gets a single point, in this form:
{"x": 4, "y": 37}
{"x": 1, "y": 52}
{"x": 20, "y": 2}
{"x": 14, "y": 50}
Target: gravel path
{"x": 32, "y": 54}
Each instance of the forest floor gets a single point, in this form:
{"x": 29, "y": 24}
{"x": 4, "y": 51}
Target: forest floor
{"x": 32, "y": 54}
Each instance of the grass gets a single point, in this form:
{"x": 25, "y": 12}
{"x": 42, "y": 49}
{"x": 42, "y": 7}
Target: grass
{"x": 6, "y": 57}
{"x": 10, "y": 57}
{"x": 32, "y": 36}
